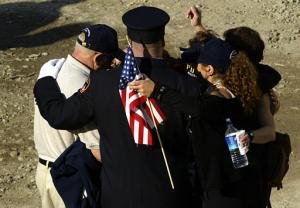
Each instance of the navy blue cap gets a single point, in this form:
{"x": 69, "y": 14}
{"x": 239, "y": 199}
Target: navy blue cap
{"x": 190, "y": 55}
{"x": 146, "y": 24}
{"x": 215, "y": 52}
{"x": 100, "y": 38}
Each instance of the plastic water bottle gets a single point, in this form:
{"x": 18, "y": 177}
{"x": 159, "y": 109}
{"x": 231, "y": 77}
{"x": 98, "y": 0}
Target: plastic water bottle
{"x": 231, "y": 136}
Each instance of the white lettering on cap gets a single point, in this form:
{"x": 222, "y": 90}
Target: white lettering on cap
{"x": 233, "y": 54}
{"x": 87, "y": 30}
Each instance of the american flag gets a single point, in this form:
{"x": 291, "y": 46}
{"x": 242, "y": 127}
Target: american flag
{"x": 137, "y": 109}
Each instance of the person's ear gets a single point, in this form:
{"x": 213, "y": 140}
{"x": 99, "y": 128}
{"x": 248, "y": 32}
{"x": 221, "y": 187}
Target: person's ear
{"x": 129, "y": 41}
{"x": 102, "y": 61}
{"x": 198, "y": 68}
{"x": 96, "y": 61}
{"x": 210, "y": 70}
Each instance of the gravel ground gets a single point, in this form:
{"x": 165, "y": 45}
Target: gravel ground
{"x": 34, "y": 31}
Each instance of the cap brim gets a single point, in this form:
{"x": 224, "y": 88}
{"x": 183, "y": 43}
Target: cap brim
{"x": 119, "y": 54}
{"x": 190, "y": 55}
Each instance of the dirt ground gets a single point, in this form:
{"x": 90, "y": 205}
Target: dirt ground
{"x": 31, "y": 32}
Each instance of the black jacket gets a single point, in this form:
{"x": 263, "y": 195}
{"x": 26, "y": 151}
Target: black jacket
{"x": 207, "y": 126}
{"x": 132, "y": 176}
{"x": 207, "y": 114}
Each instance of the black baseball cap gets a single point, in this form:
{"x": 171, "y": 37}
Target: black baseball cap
{"x": 146, "y": 24}
{"x": 101, "y": 38}
{"x": 215, "y": 52}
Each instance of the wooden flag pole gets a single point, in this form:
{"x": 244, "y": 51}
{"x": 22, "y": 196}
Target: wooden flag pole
{"x": 161, "y": 145}
{"x": 158, "y": 136}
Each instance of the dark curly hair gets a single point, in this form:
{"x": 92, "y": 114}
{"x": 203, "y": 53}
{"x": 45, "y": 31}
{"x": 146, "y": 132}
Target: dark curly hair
{"x": 247, "y": 40}
{"x": 241, "y": 79}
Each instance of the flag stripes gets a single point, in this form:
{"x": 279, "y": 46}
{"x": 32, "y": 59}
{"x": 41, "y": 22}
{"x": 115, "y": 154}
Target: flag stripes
{"x": 137, "y": 109}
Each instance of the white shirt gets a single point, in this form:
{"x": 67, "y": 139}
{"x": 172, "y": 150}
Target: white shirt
{"x": 49, "y": 142}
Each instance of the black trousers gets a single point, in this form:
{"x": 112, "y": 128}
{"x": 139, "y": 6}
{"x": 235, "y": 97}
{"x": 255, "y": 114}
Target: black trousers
{"x": 246, "y": 193}
{"x": 215, "y": 199}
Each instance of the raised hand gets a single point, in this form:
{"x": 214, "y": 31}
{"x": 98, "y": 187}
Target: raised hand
{"x": 194, "y": 14}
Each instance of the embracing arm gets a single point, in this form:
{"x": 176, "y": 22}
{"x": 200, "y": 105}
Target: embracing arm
{"x": 62, "y": 113}
{"x": 202, "y": 34}
{"x": 204, "y": 105}
{"x": 267, "y": 131}
{"x": 179, "y": 101}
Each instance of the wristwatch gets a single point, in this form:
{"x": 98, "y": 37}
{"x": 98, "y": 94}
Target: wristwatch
{"x": 251, "y": 135}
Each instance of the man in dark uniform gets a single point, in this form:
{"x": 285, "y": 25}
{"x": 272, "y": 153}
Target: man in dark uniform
{"x": 133, "y": 176}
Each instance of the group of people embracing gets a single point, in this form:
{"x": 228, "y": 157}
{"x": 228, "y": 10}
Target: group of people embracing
{"x": 214, "y": 79}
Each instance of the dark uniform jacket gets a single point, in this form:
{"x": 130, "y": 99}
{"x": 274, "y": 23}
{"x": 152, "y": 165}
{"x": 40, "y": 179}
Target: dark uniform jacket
{"x": 76, "y": 176}
{"x": 133, "y": 176}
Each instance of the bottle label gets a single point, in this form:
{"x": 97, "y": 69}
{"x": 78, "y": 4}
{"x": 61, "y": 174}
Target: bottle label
{"x": 233, "y": 142}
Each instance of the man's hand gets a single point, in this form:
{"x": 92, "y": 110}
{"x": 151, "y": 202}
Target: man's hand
{"x": 51, "y": 68}
{"x": 97, "y": 154}
{"x": 144, "y": 86}
{"x": 194, "y": 14}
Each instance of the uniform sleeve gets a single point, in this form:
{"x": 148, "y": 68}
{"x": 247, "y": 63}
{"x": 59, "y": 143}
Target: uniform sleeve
{"x": 204, "y": 106}
{"x": 181, "y": 82}
{"x": 190, "y": 86}
{"x": 62, "y": 113}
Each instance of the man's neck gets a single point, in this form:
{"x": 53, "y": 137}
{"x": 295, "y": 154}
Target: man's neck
{"x": 150, "y": 51}
{"x": 79, "y": 58}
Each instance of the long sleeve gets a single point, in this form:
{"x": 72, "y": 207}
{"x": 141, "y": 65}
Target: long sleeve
{"x": 62, "y": 113}
{"x": 207, "y": 107}
{"x": 161, "y": 73}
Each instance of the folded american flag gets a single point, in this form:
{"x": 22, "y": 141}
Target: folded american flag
{"x": 136, "y": 107}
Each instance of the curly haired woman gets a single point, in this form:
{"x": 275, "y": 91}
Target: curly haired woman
{"x": 232, "y": 93}
{"x": 262, "y": 129}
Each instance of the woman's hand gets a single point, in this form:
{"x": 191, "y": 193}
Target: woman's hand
{"x": 275, "y": 104}
{"x": 244, "y": 142}
{"x": 194, "y": 14}
{"x": 144, "y": 87}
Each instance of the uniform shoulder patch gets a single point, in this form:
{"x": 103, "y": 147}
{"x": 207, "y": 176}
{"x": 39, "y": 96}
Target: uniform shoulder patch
{"x": 85, "y": 86}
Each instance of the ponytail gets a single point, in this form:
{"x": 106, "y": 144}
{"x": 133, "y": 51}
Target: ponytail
{"x": 241, "y": 79}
